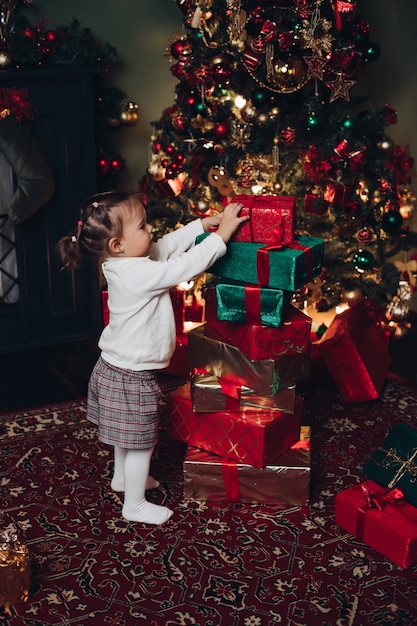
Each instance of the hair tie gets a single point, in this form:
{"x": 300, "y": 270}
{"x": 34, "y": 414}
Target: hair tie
{"x": 80, "y": 223}
{"x": 74, "y": 239}
{"x": 95, "y": 205}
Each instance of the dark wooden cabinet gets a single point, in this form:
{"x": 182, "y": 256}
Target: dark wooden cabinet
{"x": 55, "y": 306}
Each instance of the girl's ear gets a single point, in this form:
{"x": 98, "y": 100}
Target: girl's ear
{"x": 114, "y": 246}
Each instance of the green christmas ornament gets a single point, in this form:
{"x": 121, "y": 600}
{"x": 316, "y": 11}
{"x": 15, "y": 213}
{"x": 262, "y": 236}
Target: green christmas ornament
{"x": 313, "y": 121}
{"x": 363, "y": 260}
{"x": 260, "y": 97}
{"x": 391, "y": 221}
{"x": 348, "y": 123}
{"x": 372, "y": 52}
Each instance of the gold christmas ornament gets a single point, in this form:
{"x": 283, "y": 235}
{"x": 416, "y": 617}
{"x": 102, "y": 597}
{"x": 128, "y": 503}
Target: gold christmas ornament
{"x": 129, "y": 114}
{"x": 352, "y": 297}
{"x": 289, "y": 73}
{"x": 6, "y": 59}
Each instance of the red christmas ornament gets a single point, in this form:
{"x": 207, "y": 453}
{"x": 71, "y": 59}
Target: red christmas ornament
{"x": 366, "y": 235}
{"x": 29, "y": 32}
{"x": 104, "y": 165}
{"x": 179, "y": 123}
{"x": 288, "y": 136}
{"x": 221, "y": 130}
{"x": 181, "y": 49}
{"x": 180, "y": 158}
{"x": 116, "y": 164}
{"x": 51, "y": 36}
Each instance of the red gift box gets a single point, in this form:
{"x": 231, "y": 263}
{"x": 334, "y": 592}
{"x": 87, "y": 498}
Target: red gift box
{"x": 272, "y": 219}
{"x": 253, "y": 436}
{"x": 380, "y": 518}
{"x": 178, "y": 305}
{"x": 194, "y": 310}
{"x": 178, "y": 365}
{"x": 356, "y": 354}
{"x": 257, "y": 341}
{"x": 210, "y": 477}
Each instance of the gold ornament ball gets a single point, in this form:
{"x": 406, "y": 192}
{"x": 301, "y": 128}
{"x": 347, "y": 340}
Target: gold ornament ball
{"x": 6, "y": 59}
{"x": 262, "y": 118}
{"x": 278, "y": 187}
{"x": 290, "y": 74}
{"x": 352, "y": 297}
{"x": 130, "y": 118}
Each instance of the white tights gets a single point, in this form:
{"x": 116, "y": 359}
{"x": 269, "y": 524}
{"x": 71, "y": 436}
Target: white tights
{"x": 131, "y": 475}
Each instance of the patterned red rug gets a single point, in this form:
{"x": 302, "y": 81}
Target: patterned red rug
{"x": 210, "y": 565}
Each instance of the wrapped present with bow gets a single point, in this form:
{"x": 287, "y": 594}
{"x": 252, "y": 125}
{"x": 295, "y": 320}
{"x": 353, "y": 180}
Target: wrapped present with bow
{"x": 210, "y": 393}
{"x": 381, "y": 518}
{"x": 258, "y": 341}
{"x": 253, "y": 436}
{"x": 286, "y": 482}
{"x": 394, "y": 462}
{"x": 266, "y": 377}
{"x": 15, "y": 571}
{"x": 272, "y": 219}
{"x": 275, "y": 265}
{"x": 356, "y": 354}
{"x": 250, "y": 304}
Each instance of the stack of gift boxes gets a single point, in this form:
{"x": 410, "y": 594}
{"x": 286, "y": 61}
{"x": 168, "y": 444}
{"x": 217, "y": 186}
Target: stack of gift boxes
{"x": 382, "y": 510}
{"x": 239, "y": 413}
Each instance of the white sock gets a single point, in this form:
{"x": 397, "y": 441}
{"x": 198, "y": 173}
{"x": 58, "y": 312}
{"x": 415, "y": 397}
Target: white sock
{"x": 136, "y": 508}
{"x": 118, "y": 480}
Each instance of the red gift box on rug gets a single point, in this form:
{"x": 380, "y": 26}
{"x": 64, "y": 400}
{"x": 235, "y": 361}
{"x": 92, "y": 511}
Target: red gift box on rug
{"x": 286, "y": 482}
{"x": 257, "y": 341}
{"x": 272, "y": 219}
{"x": 253, "y": 436}
{"x": 380, "y": 518}
{"x": 356, "y": 354}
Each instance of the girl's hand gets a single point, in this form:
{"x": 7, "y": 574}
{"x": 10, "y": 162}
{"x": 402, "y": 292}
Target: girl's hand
{"x": 230, "y": 221}
{"x": 211, "y": 222}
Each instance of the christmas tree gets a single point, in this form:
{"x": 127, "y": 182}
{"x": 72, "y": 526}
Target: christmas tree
{"x": 267, "y": 103}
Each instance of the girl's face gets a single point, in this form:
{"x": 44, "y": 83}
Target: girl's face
{"x": 136, "y": 239}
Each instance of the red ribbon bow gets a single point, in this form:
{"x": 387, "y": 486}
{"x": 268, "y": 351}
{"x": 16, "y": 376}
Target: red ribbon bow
{"x": 376, "y": 501}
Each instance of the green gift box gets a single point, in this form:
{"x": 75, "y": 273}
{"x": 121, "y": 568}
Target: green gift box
{"x": 394, "y": 463}
{"x": 278, "y": 266}
{"x": 250, "y": 304}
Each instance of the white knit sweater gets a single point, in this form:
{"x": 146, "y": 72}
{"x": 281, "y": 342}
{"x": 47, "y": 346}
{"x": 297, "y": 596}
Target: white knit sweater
{"x": 141, "y": 330}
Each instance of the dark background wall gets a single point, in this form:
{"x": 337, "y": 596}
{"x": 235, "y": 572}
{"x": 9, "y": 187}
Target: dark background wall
{"x": 140, "y": 30}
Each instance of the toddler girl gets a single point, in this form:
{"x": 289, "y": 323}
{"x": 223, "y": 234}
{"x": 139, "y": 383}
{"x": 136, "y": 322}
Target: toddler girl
{"x": 140, "y": 337}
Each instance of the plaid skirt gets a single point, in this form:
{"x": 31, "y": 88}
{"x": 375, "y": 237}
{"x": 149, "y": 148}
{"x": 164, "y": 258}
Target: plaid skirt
{"x": 124, "y": 406}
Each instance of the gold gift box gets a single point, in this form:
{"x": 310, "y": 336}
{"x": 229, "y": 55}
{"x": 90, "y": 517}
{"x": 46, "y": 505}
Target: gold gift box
{"x": 209, "y": 395}
{"x": 286, "y": 482}
{"x": 14, "y": 571}
{"x": 266, "y": 376}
